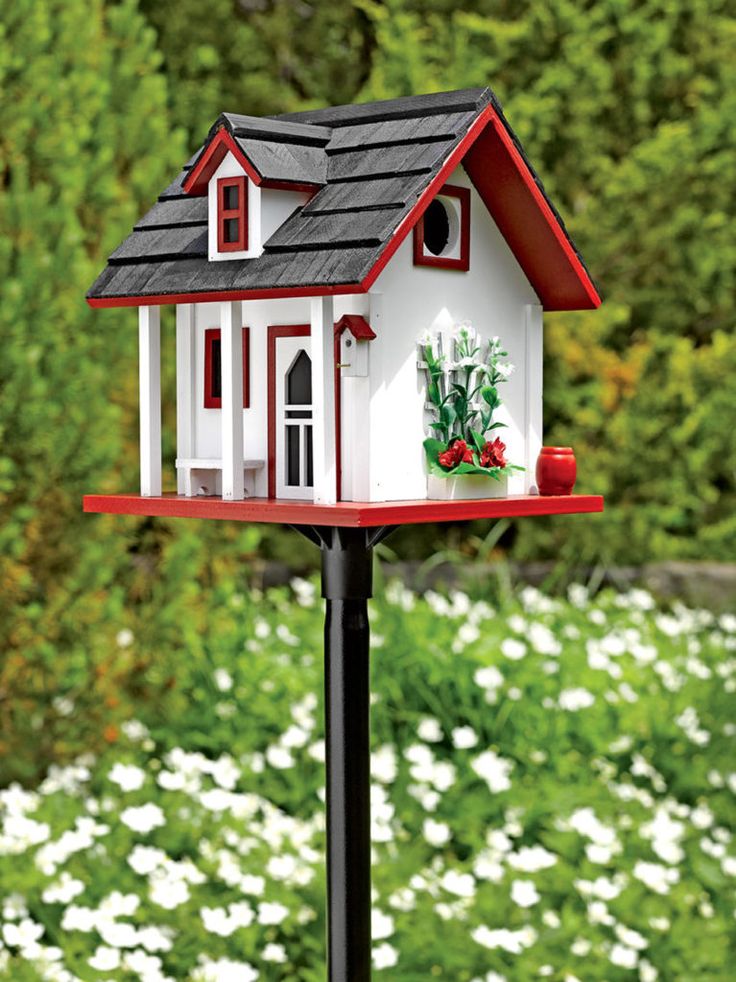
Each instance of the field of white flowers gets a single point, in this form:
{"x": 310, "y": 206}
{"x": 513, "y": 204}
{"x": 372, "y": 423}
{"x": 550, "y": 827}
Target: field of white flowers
{"x": 553, "y": 797}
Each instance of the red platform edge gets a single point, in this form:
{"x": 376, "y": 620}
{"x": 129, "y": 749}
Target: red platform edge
{"x": 346, "y": 514}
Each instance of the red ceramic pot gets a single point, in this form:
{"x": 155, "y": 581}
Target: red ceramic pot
{"x": 556, "y": 470}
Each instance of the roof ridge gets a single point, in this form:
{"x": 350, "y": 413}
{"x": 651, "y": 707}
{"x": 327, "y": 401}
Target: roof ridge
{"x": 267, "y": 128}
{"x": 454, "y": 100}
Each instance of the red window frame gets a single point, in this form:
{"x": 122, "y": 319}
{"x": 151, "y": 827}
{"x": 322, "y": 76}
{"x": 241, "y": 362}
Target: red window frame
{"x": 461, "y": 262}
{"x": 212, "y": 401}
{"x": 227, "y": 214}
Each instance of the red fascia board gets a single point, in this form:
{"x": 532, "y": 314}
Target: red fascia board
{"x": 272, "y": 293}
{"x": 212, "y": 156}
{"x": 527, "y": 223}
{"x": 357, "y": 325}
{"x": 346, "y": 514}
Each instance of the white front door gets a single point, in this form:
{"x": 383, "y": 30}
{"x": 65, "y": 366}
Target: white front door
{"x": 294, "y": 457}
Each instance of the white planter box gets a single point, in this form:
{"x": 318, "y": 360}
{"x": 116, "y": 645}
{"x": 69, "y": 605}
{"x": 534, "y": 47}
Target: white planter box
{"x": 468, "y": 486}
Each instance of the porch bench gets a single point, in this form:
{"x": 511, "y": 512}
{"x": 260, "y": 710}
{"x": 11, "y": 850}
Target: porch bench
{"x": 203, "y": 475}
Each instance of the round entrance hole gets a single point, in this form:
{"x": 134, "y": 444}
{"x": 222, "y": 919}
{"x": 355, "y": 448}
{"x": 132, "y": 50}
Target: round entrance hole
{"x": 436, "y": 228}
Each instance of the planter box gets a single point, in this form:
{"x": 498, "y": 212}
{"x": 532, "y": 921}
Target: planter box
{"x": 465, "y": 486}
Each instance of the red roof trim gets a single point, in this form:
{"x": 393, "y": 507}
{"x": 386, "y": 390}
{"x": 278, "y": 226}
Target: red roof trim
{"x": 357, "y": 325}
{"x": 272, "y": 293}
{"x": 527, "y": 222}
{"x": 211, "y": 158}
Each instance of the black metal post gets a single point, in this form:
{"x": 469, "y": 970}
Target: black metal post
{"x": 347, "y": 560}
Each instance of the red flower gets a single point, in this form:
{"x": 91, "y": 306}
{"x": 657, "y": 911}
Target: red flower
{"x": 457, "y": 453}
{"x": 492, "y": 454}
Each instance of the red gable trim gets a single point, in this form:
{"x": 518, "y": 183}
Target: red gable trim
{"x": 213, "y": 155}
{"x": 357, "y": 325}
{"x": 526, "y": 221}
{"x": 211, "y": 158}
{"x": 509, "y": 191}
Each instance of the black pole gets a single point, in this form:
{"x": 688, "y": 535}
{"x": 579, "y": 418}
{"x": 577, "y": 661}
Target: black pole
{"x": 347, "y": 562}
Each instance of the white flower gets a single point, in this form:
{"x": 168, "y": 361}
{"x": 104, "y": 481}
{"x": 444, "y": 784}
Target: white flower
{"x": 524, "y": 893}
{"x": 461, "y": 884}
{"x": 154, "y": 938}
{"x": 216, "y": 920}
{"x": 145, "y": 859}
{"x": 124, "y": 638}
{"x": 623, "y": 957}
{"x": 23, "y": 935}
{"x": 436, "y": 833}
{"x": 223, "y": 679}
{"x": 128, "y": 777}
{"x": 382, "y": 925}
{"x": 581, "y": 947}
{"x": 271, "y": 913}
{"x": 655, "y": 876}
{"x": 665, "y": 834}
{"x": 135, "y": 730}
{"x": 144, "y": 818}
{"x": 63, "y": 891}
{"x": 494, "y": 770}
{"x": 223, "y": 970}
{"x": 488, "y": 678}
{"x": 647, "y": 972}
{"x": 573, "y": 700}
{"x": 429, "y": 730}
{"x": 512, "y": 941}
{"x": 167, "y": 891}
{"x": 464, "y": 737}
{"x": 513, "y": 648}
{"x": 279, "y": 757}
{"x": 105, "y": 959}
{"x": 274, "y": 953}
{"x": 117, "y": 934}
{"x": 384, "y": 766}
{"x": 505, "y": 368}
{"x": 631, "y": 938}
{"x": 531, "y": 859}
{"x": 385, "y": 956}
{"x": 79, "y": 919}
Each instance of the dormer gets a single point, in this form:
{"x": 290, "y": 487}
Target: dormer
{"x": 256, "y": 173}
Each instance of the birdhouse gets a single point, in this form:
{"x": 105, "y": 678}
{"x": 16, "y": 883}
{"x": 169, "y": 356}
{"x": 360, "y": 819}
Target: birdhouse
{"x": 359, "y": 295}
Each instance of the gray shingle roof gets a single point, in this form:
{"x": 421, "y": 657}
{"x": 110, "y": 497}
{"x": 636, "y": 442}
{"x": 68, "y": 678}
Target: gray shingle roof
{"x": 371, "y": 161}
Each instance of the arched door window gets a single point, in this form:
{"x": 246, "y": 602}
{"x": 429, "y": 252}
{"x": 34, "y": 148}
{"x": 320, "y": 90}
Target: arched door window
{"x": 299, "y": 467}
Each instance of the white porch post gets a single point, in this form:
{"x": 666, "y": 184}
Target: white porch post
{"x": 231, "y": 348}
{"x": 149, "y": 372}
{"x": 533, "y": 429}
{"x": 185, "y": 390}
{"x": 323, "y": 400}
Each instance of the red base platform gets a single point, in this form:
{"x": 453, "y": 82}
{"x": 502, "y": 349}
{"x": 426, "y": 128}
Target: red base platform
{"x": 347, "y": 514}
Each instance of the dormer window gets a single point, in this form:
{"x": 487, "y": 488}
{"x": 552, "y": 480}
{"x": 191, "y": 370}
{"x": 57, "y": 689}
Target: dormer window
{"x": 232, "y": 214}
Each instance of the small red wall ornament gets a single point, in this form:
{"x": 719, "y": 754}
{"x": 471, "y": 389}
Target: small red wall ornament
{"x": 556, "y": 470}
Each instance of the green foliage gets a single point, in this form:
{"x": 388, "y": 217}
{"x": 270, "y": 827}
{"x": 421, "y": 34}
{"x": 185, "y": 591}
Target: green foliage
{"x": 82, "y": 105}
{"x": 258, "y": 56}
{"x": 553, "y": 786}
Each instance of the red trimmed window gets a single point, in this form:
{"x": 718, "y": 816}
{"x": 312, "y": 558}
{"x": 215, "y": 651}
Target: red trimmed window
{"x": 442, "y": 234}
{"x": 213, "y": 368}
{"x": 232, "y": 214}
